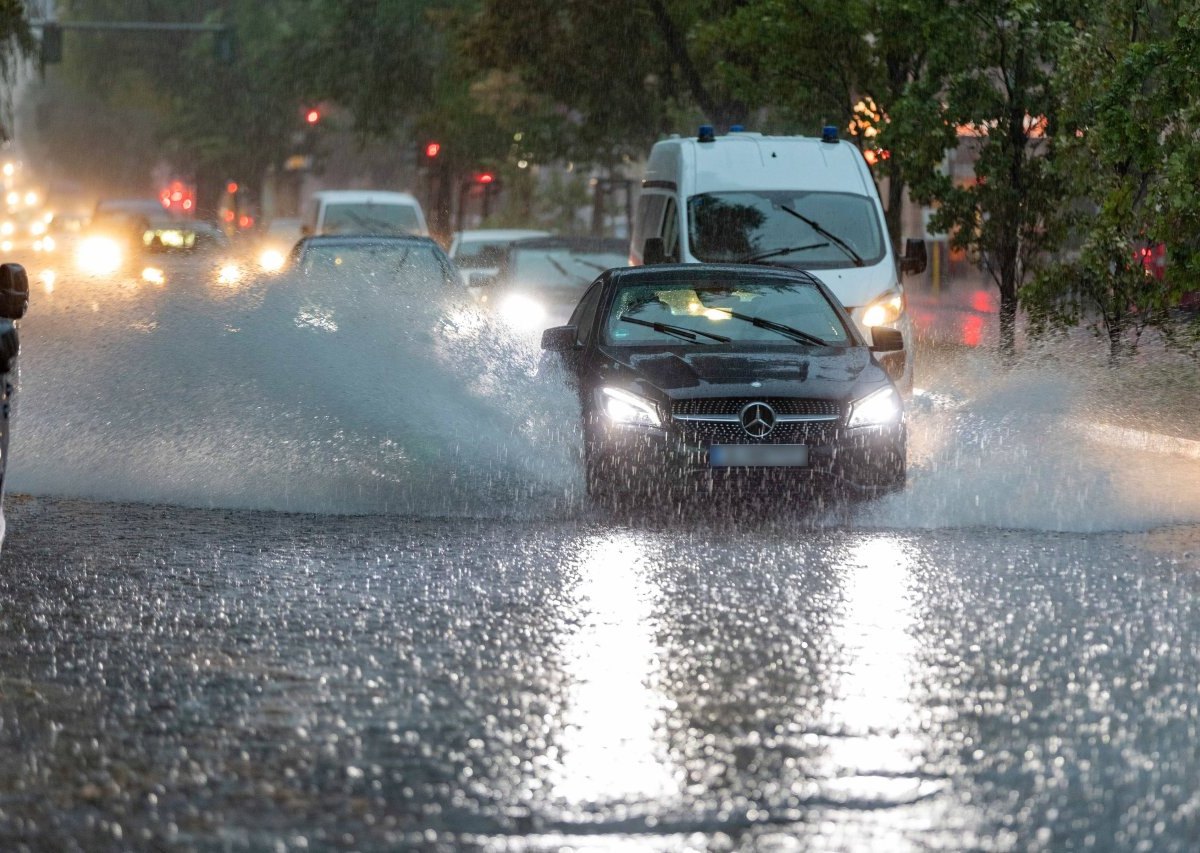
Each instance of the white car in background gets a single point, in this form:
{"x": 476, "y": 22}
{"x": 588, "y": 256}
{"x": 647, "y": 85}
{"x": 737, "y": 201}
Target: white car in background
{"x": 479, "y": 253}
{"x": 363, "y": 213}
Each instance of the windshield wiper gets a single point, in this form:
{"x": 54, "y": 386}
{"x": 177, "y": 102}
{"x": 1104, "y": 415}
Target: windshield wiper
{"x": 816, "y": 226}
{"x": 770, "y": 253}
{"x": 771, "y": 325}
{"x": 677, "y": 331}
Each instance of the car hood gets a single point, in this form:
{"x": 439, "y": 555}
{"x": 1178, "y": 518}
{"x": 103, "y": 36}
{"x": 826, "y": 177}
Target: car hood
{"x": 858, "y": 286}
{"x": 682, "y": 373}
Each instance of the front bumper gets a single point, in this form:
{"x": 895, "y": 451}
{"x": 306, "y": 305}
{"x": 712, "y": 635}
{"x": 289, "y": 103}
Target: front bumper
{"x": 861, "y": 460}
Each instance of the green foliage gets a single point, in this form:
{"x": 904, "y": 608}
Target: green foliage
{"x": 991, "y": 82}
{"x": 1130, "y": 154}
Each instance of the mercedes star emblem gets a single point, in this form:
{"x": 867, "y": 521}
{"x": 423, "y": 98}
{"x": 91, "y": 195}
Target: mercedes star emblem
{"x": 758, "y": 419}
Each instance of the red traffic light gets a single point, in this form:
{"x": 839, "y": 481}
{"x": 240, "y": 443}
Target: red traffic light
{"x": 231, "y": 187}
{"x": 433, "y": 149}
{"x": 312, "y": 116}
{"x": 485, "y": 178}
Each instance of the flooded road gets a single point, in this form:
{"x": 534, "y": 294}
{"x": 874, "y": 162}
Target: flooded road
{"x": 231, "y": 680}
{"x": 307, "y": 565}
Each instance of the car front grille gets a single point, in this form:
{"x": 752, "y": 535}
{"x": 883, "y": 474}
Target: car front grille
{"x": 715, "y": 421}
{"x": 714, "y": 432}
{"x": 732, "y": 406}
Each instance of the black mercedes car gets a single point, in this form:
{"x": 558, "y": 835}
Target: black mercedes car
{"x": 693, "y": 375}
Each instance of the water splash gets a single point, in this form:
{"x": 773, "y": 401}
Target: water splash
{"x": 1053, "y": 443}
{"x": 335, "y": 394}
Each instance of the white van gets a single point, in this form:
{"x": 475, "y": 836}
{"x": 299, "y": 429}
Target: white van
{"x": 362, "y": 212}
{"x": 805, "y": 202}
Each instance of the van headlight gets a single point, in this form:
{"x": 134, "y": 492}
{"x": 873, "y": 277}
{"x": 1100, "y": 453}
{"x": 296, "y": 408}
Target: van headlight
{"x": 628, "y": 409}
{"x": 880, "y": 408}
{"x": 522, "y": 312}
{"x": 885, "y": 310}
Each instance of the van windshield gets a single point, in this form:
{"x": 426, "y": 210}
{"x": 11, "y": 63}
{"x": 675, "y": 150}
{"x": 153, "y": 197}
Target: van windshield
{"x": 368, "y": 218}
{"x": 733, "y": 226}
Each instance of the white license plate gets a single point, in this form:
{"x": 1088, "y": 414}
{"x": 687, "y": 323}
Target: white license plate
{"x": 758, "y": 456}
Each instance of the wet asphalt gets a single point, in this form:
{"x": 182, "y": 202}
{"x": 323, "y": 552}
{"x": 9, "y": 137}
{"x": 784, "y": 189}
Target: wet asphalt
{"x": 218, "y": 680}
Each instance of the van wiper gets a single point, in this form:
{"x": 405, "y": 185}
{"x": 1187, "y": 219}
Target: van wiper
{"x": 816, "y": 226}
{"x": 770, "y": 253}
{"x": 677, "y": 331}
{"x": 771, "y": 325}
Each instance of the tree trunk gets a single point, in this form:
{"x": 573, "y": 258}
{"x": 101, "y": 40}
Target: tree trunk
{"x": 1008, "y": 318}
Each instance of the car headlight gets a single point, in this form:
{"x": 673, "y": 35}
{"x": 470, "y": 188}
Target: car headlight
{"x": 884, "y": 310}
{"x": 880, "y": 408}
{"x": 522, "y": 312}
{"x": 98, "y": 256}
{"x": 627, "y": 408}
{"x": 271, "y": 260}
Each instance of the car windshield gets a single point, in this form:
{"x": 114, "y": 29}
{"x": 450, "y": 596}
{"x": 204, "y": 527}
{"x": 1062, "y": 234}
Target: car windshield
{"x": 410, "y": 259}
{"x": 559, "y": 268}
{"x": 736, "y": 226}
{"x": 370, "y": 218}
{"x": 724, "y": 308}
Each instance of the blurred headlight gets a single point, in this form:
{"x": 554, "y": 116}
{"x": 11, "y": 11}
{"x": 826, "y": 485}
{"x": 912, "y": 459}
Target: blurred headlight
{"x": 884, "y": 310}
{"x": 48, "y": 278}
{"x": 98, "y": 256}
{"x": 154, "y": 275}
{"x": 6, "y": 246}
{"x": 881, "y": 408}
{"x": 7, "y": 228}
{"x": 522, "y": 312}
{"x": 625, "y": 407}
{"x": 271, "y": 260}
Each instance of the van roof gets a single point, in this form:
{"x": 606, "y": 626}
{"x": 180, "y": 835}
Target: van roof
{"x": 376, "y": 196}
{"x": 751, "y": 161}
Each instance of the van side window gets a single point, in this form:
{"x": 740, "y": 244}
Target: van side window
{"x": 670, "y": 231}
{"x": 585, "y": 313}
{"x": 647, "y": 220}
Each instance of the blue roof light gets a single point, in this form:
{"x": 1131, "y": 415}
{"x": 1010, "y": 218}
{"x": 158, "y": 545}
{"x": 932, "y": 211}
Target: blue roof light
{"x": 736, "y": 128}
{"x": 706, "y": 134}
{"x": 829, "y": 133}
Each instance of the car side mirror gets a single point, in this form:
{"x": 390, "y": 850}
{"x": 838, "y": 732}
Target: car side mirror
{"x": 481, "y": 279}
{"x": 884, "y": 339}
{"x": 654, "y": 251}
{"x": 916, "y": 258}
{"x": 560, "y": 338}
{"x": 14, "y": 291}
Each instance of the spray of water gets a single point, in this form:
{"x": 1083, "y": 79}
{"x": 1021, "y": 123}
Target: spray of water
{"x": 353, "y": 394}
{"x": 341, "y": 393}
{"x": 1060, "y": 441}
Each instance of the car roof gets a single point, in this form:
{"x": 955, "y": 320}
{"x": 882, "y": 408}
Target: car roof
{"x": 624, "y": 276}
{"x": 379, "y": 196}
{"x": 364, "y": 239}
{"x": 500, "y": 234}
{"x": 615, "y": 245}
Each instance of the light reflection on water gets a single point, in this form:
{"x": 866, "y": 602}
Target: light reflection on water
{"x": 875, "y": 753}
{"x": 611, "y": 748}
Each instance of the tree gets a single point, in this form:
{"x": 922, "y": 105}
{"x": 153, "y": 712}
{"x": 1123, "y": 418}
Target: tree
{"x": 830, "y": 62}
{"x": 991, "y": 88}
{"x": 1130, "y": 153}
{"x": 600, "y": 81}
